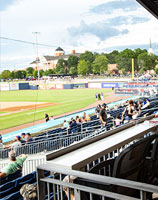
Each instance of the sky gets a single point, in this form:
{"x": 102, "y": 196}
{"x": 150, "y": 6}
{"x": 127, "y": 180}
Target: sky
{"x": 93, "y": 25}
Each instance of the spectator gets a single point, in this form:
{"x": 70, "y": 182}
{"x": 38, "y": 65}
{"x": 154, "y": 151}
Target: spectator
{"x": 146, "y": 104}
{"x": 139, "y": 105}
{"x": 97, "y": 110}
{"x": 73, "y": 124}
{"x": 15, "y": 164}
{"x": 46, "y": 117}
{"x": 69, "y": 180}
{"x": 77, "y": 119}
{"x": 29, "y": 192}
{"x": 128, "y": 112}
{"x": 2, "y": 146}
{"x": 102, "y": 96}
{"x": 103, "y": 115}
{"x": 23, "y": 138}
{"x": 99, "y": 98}
{"x": 86, "y": 117}
{"x": 51, "y": 117}
{"x": 17, "y": 143}
{"x": 96, "y": 96}
{"x": 117, "y": 120}
{"x": 66, "y": 124}
{"x": 28, "y": 138}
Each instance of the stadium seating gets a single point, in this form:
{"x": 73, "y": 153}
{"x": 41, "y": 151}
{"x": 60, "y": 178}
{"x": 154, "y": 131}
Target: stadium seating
{"x": 11, "y": 177}
{"x": 53, "y": 139}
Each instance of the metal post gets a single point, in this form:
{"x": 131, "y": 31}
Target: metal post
{"x": 132, "y": 68}
{"x": 37, "y": 58}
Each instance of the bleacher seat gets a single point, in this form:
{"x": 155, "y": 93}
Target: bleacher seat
{"x": 11, "y": 177}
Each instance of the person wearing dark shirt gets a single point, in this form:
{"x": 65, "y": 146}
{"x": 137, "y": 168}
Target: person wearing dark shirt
{"x": 46, "y": 117}
{"x": 103, "y": 115}
{"x": 99, "y": 97}
{"x": 28, "y": 138}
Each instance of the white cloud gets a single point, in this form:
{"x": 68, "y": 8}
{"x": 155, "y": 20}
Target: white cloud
{"x": 52, "y": 18}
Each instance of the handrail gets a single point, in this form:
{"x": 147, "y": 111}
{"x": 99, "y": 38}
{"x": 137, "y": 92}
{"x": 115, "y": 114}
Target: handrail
{"x": 98, "y": 179}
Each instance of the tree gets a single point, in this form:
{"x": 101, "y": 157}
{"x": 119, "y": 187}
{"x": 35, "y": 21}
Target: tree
{"x": 5, "y": 74}
{"x": 19, "y": 74}
{"x": 146, "y": 61}
{"x": 89, "y": 58}
{"x": 137, "y": 52}
{"x": 100, "y": 64}
{"x": 12, "y": 75}
{"x": 72, "y": 61}
{"x": 111, "y": 57}
{"x": 82, "y": 67}
{"x": 62, "y": 67}
{"x": 49, "y": 71}
{"x": 23, "y": 73}
{"x": 35, "y": 74}
{"x": 124, "y": 59}
{"x": 30, "y": 70}
{"x": 73, "y": 71}
{"x": 41, "y": 72}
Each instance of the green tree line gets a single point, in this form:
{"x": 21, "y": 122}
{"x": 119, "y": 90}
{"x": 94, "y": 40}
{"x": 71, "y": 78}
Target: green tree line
{"x": 93, "y": 63}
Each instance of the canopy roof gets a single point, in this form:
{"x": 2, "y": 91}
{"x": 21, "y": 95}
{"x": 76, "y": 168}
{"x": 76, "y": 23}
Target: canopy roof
{"x": 151, "y": 6}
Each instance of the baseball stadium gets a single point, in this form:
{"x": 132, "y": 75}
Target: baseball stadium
{"x": 66, "y": 136}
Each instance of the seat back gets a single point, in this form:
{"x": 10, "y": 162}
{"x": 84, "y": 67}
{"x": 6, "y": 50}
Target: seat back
{"x": 130, "y": 164}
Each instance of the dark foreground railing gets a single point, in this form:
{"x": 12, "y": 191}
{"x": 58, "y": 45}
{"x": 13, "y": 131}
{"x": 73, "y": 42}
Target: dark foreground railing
{"x": 48, "y": 186}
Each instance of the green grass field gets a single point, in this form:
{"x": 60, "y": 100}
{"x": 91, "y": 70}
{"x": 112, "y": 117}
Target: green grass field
{"x": 69, "y": 100}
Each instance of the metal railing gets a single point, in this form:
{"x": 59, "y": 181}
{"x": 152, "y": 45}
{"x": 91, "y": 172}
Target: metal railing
{"x": 57, "y": 185}
{"x": 51, "y": 144}
{"x": 30, "y": 164}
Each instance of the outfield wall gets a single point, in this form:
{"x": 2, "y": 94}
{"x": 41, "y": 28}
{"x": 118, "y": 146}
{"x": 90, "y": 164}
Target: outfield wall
{"x": 53, "y": 85}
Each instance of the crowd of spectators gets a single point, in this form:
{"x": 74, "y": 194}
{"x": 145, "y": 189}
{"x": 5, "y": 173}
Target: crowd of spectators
{"x": 132, "y": 110}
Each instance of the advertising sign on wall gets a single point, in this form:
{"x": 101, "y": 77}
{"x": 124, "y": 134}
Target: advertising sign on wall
{"x": 4, "y": 87}
{"x": 109, "y": 85}
{"x": 59, "y": 86}
{"x": 51, "y": 86}
{"x": 94, "y": 85}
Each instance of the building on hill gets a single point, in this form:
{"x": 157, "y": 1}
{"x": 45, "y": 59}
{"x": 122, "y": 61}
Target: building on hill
{"x": 50, "y": 62}
{"x": 112, "y": 68}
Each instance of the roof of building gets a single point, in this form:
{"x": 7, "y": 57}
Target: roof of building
{"x": 34, "y": 62}
{"x": 151, "y": 6}
{"x": 59, "y": 49}
{"x": 49, "y": 58}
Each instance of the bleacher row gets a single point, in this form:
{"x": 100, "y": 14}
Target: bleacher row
{"x": 61, "y": 137}
{"x": 10, "y": 189}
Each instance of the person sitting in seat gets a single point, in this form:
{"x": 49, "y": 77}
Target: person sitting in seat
{"x": 28, "y": 138}
{"x": 17, "y": 143}
{"x": 146, "y": 104}
{"x": 2, "y": 146}
{"x": 23, "y": 138}
{"x": 15, "y": 164}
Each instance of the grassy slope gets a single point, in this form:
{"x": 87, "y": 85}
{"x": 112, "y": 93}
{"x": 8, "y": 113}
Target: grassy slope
{"x": 69, "y": 100}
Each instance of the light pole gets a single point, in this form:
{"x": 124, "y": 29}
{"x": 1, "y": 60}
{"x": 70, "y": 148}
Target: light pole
{"x": 37, "y": 58}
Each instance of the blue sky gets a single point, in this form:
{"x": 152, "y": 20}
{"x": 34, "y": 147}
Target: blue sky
{"x": 94, "y": 25}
